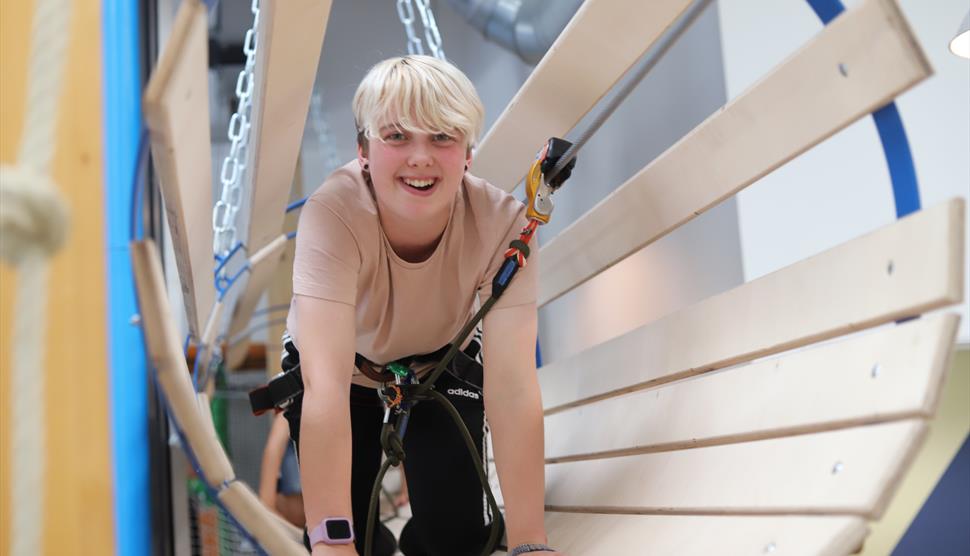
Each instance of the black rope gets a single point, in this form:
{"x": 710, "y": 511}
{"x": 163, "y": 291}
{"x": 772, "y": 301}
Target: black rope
{"x": 393, "y": 443}
{"x": 389, "y": 434}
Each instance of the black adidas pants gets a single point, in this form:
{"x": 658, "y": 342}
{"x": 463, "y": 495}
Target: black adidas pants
{"x": 451, "y": 516}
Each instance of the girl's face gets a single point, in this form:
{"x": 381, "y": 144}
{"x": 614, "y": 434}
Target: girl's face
{"x": 416, "y": 175}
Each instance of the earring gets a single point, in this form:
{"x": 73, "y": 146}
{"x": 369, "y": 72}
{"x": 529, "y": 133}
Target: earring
{"x": 466, "y": 167}
{"x": 366, "y": 167}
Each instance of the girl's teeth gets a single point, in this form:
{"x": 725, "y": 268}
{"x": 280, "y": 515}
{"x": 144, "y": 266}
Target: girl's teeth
{"x": 419, "y": 184}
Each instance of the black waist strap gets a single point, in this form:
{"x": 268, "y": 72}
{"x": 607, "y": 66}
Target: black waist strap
{"x": 286, "y": 386}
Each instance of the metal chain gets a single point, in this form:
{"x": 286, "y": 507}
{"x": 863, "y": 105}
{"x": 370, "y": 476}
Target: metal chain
{"x": 431, "y": 34}
{"x": 234, "y": 165}
{"x": 405, "y": 12}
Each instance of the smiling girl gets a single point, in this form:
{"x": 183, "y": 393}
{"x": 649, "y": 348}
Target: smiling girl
{"x": 394, "y": 253}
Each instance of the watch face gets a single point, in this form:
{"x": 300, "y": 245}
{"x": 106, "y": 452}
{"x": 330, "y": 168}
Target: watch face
{"x": 338, "y": 529}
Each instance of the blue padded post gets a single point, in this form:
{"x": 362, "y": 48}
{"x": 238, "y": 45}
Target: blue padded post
{"x": 127, "y": 374}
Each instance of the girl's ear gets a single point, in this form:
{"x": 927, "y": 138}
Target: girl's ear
{"x": 362, "y": 157}
{"x": 468, "y": 158}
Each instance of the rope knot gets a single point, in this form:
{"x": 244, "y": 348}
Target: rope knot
{"x": 33, "y": 214}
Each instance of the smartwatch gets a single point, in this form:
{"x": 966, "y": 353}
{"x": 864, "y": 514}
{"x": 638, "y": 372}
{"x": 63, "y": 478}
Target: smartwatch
{"x": 333, "y": 530}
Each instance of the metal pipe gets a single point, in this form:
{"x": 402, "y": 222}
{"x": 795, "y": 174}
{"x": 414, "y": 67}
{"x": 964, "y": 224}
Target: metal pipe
{"x": 526, "y": 27}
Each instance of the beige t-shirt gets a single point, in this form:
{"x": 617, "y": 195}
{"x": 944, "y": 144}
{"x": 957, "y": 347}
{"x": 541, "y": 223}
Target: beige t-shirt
{"x": 404, "y": 308}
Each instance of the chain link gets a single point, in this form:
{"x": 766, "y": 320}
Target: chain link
{"x": 405, "y": 12}
{"x": 431, "y": 34}
{"x": 234, "y": 165}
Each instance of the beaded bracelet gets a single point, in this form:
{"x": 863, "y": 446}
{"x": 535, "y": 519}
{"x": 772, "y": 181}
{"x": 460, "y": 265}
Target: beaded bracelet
{"x": 525, "y": 548}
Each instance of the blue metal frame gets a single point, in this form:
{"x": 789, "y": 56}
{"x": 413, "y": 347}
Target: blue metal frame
{"x": 895, "y": 145}
{"x": 126, "y": 357}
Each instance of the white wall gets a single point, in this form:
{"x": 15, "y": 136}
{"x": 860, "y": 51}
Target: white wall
{"x": 841, "y": 189}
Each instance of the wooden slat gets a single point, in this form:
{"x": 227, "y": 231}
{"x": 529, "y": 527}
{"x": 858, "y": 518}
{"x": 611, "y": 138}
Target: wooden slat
{"x": 176, "y": 105}
{"x": 259, "y": 521}
{"x": 894, "y": 373}
{"x": 290, "y": 38}
{"x": 845, "y": 472}
{"x": 292, "y": 531}
{"x": 263, "y": 266}
{"x": 904, "y": 269}
{"x": 289, "y": 42}
{"x": 165, "y": 352}
{"x": 575, "y": 73}
{"x": 609, "y": 535}
{"x": 797, "y": 105}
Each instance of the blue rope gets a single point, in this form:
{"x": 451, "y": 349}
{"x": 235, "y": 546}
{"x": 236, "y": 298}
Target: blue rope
{"x": 296, "y": 204}
{"x": 895, "y": 145}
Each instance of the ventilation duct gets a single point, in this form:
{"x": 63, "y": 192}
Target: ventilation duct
{"x": 526, "y": 27}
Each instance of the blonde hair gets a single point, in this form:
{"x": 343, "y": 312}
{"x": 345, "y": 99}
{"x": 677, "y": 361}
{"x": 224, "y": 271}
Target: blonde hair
{"x": 417, "y": 94}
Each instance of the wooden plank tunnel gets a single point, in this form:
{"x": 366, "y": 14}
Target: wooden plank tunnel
{"x": 176, "y": 106}
{"x": 678, "y": 437}
{"x": 290, "y": 39}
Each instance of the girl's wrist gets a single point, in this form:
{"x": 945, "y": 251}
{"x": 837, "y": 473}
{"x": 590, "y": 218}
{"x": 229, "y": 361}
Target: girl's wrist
{"x": 526, "y": 548}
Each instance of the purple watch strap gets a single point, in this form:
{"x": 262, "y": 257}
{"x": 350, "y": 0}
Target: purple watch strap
{"x": 333, "y": 530}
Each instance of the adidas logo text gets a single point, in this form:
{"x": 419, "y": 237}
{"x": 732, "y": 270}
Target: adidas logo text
{"x": 463, "y": 392}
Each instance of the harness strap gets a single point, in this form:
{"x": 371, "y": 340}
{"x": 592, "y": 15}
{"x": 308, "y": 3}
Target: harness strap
{"x": 286, "y": 386}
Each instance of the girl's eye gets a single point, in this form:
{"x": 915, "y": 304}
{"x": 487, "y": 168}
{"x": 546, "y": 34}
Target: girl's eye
{"x": 394, "y": 136}
{"x": 443, "y": 137}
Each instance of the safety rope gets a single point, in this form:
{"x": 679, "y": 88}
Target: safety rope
{"x": 33, "y": 226}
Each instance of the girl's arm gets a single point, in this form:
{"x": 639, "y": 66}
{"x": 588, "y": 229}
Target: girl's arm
{"x": 514, "y": 408}
{"x": 326, "y": 335}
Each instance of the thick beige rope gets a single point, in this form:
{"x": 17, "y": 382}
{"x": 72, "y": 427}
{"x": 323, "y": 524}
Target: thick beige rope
{"x": 33, "y": 225}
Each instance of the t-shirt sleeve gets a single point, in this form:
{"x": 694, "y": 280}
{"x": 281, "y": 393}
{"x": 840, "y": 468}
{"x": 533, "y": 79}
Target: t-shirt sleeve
{"x": 327, "y": 259}
{"x": 524, "y": 286}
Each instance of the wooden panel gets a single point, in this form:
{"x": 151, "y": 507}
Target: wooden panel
{"x": 176, "y": 107}
{"x": 891, "y": 374}
{"x": 575, "y": 73}
{"x": 609, "y": 535}
{"x": 797, "y": 105}
{"x": 908, "y": 267}
{"x": 262, "y": 268}
{"x": 79, "y": 492}
{"x": 849, "y": 472}
{"x": 165, "y": 352}
{"x": 258, "y": 521}
{"x": 290, "y": 38}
